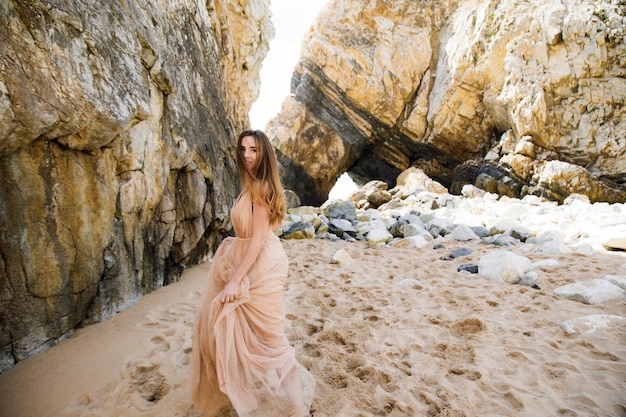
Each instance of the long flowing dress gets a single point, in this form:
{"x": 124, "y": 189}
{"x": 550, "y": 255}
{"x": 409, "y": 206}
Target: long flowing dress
{"x": 240, "y": 354}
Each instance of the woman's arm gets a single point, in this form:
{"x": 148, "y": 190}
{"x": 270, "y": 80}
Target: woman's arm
{"x": 260, "y": 228}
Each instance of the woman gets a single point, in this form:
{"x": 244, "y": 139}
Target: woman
{"x": 240, "y": 353}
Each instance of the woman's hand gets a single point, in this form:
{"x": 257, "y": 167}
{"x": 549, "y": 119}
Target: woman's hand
{"x": 231, "y": 291}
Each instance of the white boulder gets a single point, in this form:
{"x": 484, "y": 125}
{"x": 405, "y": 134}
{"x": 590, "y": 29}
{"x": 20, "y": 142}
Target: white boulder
{"x": 504, "y": 266}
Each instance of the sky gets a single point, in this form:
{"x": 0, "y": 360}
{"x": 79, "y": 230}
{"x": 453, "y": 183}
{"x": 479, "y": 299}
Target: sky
{"x": 292, "y": 19}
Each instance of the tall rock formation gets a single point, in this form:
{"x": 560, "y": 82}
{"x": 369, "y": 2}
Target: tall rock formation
{"x": 515, "y": 97}
{"x": 117, "y": 136}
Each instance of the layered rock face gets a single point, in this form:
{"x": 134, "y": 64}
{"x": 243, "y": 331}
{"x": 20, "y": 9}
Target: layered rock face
{"x": 117, "y": 134}
{"x": 515, "y": 97}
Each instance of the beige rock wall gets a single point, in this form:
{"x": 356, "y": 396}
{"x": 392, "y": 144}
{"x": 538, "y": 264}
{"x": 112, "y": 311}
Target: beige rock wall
{"x": 449, "y": 86}
{"x": 117, "y": 130}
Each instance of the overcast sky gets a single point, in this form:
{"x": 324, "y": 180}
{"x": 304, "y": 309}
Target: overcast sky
{"x": 292, "y": 19}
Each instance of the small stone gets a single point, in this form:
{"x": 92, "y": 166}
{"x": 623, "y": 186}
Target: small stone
{"x": 471, "y": 191}
{"x": 504, "y": 240}
{"x": 341, "y": 257}
{"x": 322, "y": 228}
{"x": 438, "y": 227}
{"x": 504, "y": 226}
{"x": 464, "y": 251}
{"x": 618, "y": 244}
{"x": 411, "y": 242}
{"x": 369, "y": 215}
{"x": 348, "y": 238}
{"x": 462, "y": 233}
{"x": 292, "y": 199}
{"x": 378, "y": 197}
{"x": 619, "y": 280}
{"x": 412, "y": 229}
{"x": 471, "y": 268}
{"x": 327, "y": 236}
{"x": 300, "y": 230}
{"x": 530, "y": 280}
{"x": 341, "y": 226}
{"x": 591, "y": 291}
{"x": 553, "y": 248}
{"x": 501, "y": 265}
{"x": 591, "y": 323}
{"x": 378, "y": 237}
{"x": 411, "y": 282}
{"x": 576, "y": 199}
{"x": 480, "y": 231}
{"x": 340, "y": 209}
{"x": 584, "y": 249}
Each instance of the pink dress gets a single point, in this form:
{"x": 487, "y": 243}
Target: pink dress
{"x": 240, "y": 353}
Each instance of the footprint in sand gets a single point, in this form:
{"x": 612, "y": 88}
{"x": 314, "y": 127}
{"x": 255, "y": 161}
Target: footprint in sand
{"x": 470, "y": 374}
{"x": 566, "y": 412}
{"x": 142, "y": 383}
{"x": 154, "y": 325}
{"x": 311, "y": 329}
{"x": 194, "y": 295}
{"x": 145, "y": 384}
{"x": 559, "y": 370}
{"x": 140, "y": 386}
{"x": 467, "y": 327}
{"x": 160, "y": 343}
{"x": 455, "y": 354}
{"x": 514, "y": 402}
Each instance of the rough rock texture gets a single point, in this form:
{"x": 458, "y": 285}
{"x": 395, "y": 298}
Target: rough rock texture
{"x": 515, "y": 97}
{"x": 117, "y": 132}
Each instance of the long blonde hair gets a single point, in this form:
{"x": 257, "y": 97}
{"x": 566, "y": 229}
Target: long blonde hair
{"x": 263, "y": 182}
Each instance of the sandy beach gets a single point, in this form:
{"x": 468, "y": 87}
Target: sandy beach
{"x": 397, "y": 332}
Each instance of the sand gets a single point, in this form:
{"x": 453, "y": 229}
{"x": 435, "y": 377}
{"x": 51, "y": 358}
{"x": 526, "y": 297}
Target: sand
{"x": 398, "y": 332}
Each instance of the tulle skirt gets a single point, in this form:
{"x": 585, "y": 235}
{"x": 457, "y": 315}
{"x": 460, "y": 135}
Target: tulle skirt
{"x": 240, "y": 353}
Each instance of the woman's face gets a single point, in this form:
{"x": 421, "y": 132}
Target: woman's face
{"x": 249, "y": 151}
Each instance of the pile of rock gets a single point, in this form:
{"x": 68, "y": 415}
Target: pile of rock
{"x": 419, "y": 212}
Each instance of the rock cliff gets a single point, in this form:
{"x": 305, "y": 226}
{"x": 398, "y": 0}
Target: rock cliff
{"x": 515, "y": 97}
{"x": 117, "y": 131}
